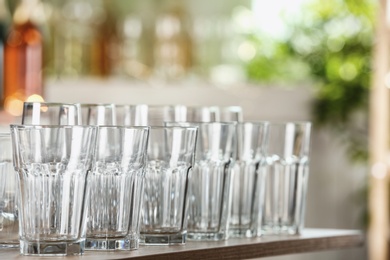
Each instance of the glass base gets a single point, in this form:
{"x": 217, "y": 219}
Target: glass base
{"x": 60, "y": 248}
{"x": 9, "y": 244}
{"x": 163, "y": 239}
{"x": 111, "y": 244}
{"x": 280, "y": 230}
{"x": 241, "y": 232}
{"x": 198, "y": 236}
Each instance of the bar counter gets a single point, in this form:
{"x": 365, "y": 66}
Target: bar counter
{"x": 309, "y": 241}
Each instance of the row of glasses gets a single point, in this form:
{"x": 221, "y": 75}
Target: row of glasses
{"x": 158, "y": 114}
{"x": 231, "y": 185}
{"x": 72, "y": 170}
{"x": 128, "y": 115}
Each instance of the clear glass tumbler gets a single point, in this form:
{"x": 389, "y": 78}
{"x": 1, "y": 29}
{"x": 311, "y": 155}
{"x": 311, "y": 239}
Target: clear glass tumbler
{"x": 116, "y": 184}
{"x": 52, "y": 164}
{"x": 9, "y": 193}
{"x": 248, "y": 181}
{"x": 286, "y": 177}
{"x": 170, "y": 159}
{"x": 36, "y": 113}
{"x": 211, "y": 182}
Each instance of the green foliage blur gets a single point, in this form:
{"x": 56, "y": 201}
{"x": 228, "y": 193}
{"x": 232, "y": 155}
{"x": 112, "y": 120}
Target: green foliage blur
{"x": 330, "y": 46}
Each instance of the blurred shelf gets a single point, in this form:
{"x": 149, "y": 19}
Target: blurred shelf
{"x": 309, "y": 241}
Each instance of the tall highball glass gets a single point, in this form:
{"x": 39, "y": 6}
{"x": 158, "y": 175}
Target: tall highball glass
{"x": 286, "y": 177}
{"x": 248, "y": 181}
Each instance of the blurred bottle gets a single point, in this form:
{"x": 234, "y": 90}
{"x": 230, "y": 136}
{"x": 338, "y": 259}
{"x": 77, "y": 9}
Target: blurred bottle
{"x": 5, "y": 19}
{"x": 23, "y": 59}
{"x": 172, "y": 45}
{"x": 105, "y": 47}
{"x": 132, "y": 48}
{"x": 75, "y": 28}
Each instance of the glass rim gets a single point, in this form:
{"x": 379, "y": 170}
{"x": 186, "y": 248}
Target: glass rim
{"x": 20, "y": 126}
{"x": 156, "y": 127}
{"x": 51, "y": 103}
{"x": 123, "y": 126}
{"x": 83, "y": 105}
{"x": 196, "y": 123}
{"x": 5, "y": 134}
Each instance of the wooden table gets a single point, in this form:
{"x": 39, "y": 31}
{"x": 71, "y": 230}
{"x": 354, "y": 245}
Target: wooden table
{"x": 310, "y": 240}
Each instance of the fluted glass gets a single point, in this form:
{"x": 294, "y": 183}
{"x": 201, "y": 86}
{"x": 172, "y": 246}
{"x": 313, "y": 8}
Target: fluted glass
{"x": 116, "y": 184}
{"x": 52, "y": 164}
{"x": 170, "y": 160}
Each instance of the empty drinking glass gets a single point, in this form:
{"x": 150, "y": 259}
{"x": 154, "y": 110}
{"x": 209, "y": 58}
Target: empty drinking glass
{"x": 170, "y": 159}
{"x": 116, "y": 187}
{"x": 248, "y": 181}
{"x": 211, "y": 183}
{"x": 35, "y": 113}
{"x": 9, "y": 216}
{"x": 52, "y": 164}
{"x": 286, "y": 179}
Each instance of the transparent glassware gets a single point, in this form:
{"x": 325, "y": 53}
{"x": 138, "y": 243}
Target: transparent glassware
{"x": 183, "y": 113}
{"x": 286, "y": 177}
{"x": 44, "y": 113}
{"x": 248, "y": 181}
{"x": 52, "y": 164}
{"x": 198, "y": 114}
{"x": 170, "y": 159}
{"x": 125, "y": 115}
{"x": 148, "y": 115}
{"x": 211, "y": 185}
{"x": 116, "y": 184}
{"x": 231, "y": 114}
{"x": 210, "y": 189}
{"x": 98, "y": 114}
{"x": 9, "y": 195}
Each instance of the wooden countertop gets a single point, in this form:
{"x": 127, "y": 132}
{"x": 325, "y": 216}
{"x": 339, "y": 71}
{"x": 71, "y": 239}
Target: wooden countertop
{"x": 310, "y": 240}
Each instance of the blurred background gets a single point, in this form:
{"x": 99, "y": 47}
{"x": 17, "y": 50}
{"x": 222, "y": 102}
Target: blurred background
{"x": 280, "y": 59}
